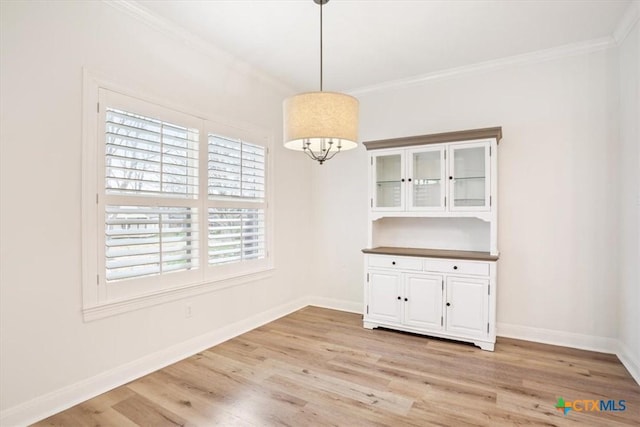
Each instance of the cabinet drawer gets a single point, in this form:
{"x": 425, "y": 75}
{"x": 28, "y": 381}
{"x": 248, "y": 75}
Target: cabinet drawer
{"x": 399, "y": 262}
{"x": 461, "y": 267}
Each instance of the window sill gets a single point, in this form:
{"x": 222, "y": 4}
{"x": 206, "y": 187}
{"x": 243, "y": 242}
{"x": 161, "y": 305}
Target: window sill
{"x": 112, "y": 308}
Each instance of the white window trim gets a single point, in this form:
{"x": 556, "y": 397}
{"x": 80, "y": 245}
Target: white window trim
{"x": 211, "y": 278}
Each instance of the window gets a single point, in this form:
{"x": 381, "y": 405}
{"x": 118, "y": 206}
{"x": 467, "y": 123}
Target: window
{"x": 144, "y": 240}
{"x": 236, "y": 175}
{"x": 149, "y": 163}
{"x": 235, "y": 235}
{"x": 181, "y": 202}
{"x": 236, "y": 169}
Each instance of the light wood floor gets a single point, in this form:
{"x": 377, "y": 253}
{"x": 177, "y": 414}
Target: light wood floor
{"x": 320, "y": 367}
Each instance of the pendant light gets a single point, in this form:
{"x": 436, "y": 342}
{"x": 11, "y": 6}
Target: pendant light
{"x": 321, "y": 124}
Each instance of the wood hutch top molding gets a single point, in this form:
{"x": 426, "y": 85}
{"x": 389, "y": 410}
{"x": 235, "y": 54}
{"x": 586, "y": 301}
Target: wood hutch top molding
{"x": 436, "y": 138}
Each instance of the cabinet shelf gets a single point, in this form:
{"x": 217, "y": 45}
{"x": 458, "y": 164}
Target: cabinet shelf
{"x": 421, "y": 181}
{"x": 427, "y": 181}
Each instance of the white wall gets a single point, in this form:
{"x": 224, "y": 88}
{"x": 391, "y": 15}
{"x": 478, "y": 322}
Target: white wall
{"x": 45, "y": 345}
{"x": 557, "y": 195}
{"x": 629, "y": 184}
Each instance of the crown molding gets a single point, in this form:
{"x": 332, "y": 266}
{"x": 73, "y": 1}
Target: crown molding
{"x": 168, "y": 28}
{"x": 626, "y": 24}
{"x": 527, "y": 58}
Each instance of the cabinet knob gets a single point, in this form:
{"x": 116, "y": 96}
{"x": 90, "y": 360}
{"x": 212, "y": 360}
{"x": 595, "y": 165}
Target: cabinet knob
{"x": 402, "y": 180}
{"x": 455, "y": 267}
{"x": 406, "y": 299}
{"x": 448, "y": 304}
{"x": 393, "y": 263}
{"x": 409, "y": 180}
{"x": 450, "y": 177}
{"x": 399, "y": 298}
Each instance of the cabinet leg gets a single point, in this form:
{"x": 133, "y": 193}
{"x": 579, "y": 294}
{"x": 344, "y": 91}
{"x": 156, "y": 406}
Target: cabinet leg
{"x": 488, "y": 346}
{"x": 369, "y": 325}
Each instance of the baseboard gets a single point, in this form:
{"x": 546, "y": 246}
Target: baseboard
{"x": 555, "y": 337}
{"x": 336, "y": 304}
{"x": 629, "y": 360}
{"x": 51, "y": 403}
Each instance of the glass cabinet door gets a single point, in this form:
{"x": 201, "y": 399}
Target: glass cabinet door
{"x": 388, "y": 181}
{"x": 426, "y": 179}
{"x": 469, "y": 176}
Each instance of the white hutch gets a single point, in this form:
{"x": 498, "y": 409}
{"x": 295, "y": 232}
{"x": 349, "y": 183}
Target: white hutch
{"x": 431, "y": 261}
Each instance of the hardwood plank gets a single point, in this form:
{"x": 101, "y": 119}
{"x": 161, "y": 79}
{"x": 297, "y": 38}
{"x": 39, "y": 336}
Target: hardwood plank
{"x": 332, "y": 402}
{"x": 144, "y": 412}
{"x": 180, "y": 398}
{"x": 97, "y": 411}
{"x": 81, "y": 416}
{"x": 321, "y": 367}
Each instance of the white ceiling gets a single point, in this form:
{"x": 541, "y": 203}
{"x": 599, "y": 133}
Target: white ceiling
{"x": 372, "y": 42}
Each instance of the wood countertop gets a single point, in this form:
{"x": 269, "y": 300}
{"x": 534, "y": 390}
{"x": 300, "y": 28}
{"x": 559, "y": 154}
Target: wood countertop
{"x": 432, "y": 253}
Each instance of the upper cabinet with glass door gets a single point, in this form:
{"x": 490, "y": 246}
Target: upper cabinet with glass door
{"x": 415, "y": 185}
{"x": 422, "y": 174}
{"x": 426, "y": 179}
{"x": 469, "y": 177}
{"x": 388, "y": 173}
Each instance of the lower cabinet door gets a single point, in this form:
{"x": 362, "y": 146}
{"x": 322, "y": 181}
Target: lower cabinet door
{"x": 383, "y": 296}
{"x": 423, "y": 301}
{"x": 467, "y": 306}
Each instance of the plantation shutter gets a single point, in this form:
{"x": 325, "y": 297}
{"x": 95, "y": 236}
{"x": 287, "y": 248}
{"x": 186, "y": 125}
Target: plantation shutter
{"x": 142, "y": 241}
{"x": 236, "y": 235}
{"x": 150, "y": 165}
{"x": 145, "y": 156}
{"x": 236, "y": 169}
{"x": 236, "y": 180}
